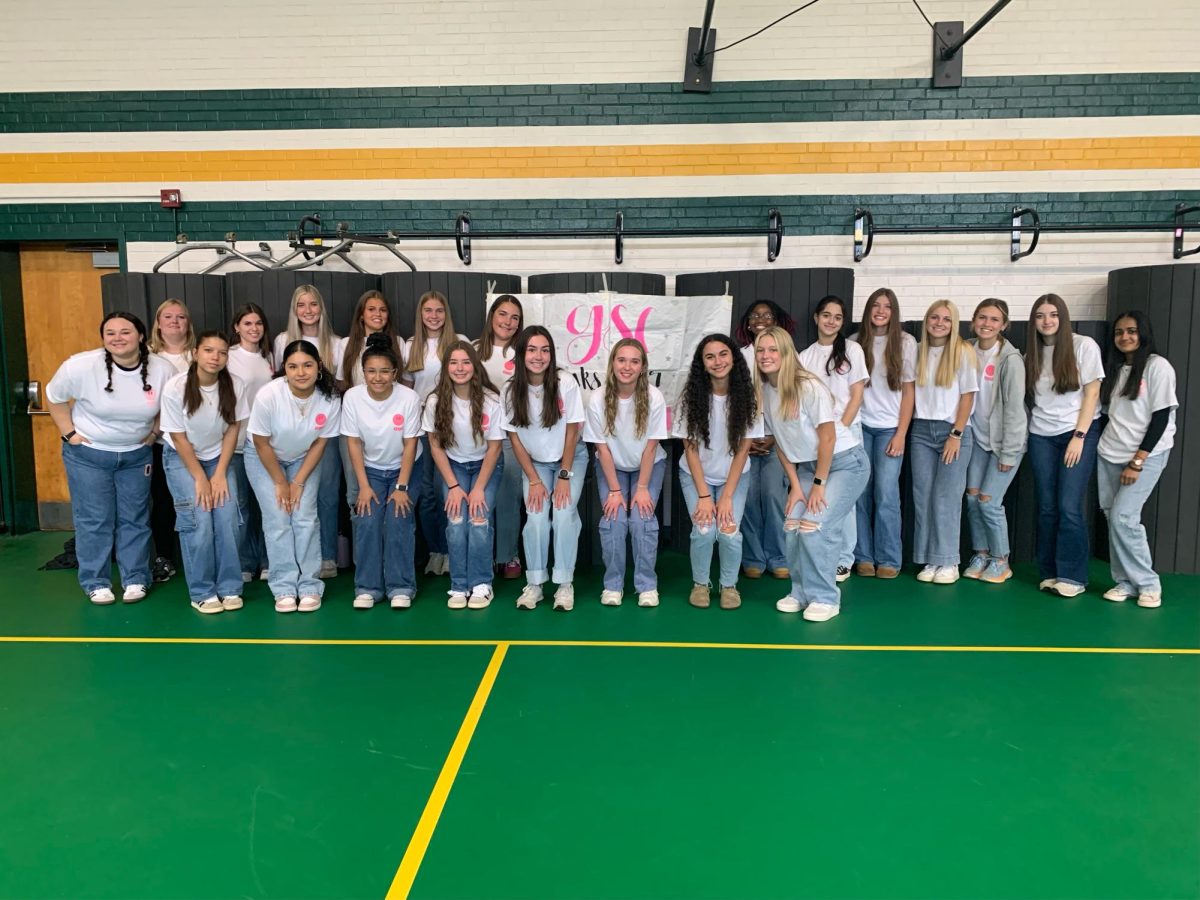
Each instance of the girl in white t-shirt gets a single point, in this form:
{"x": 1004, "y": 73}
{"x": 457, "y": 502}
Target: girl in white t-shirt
{"x": 543, "y": 415}
{"x": 496, "y": 353}
{"x": 1133, "y": 452}
{"x": 842, "y": 368}
{"x": 202, "y": 413}
{"x": 825, "y": 466}
{"x": 625, "y": 423}
{"x": 172, "y": 336}
{"x": 250, "y": 360}
{"x": 1063, "y": 371}
{"x": 464, "y": 423}
{"x": 292, "y": 420}
{"x": 381, "y": 427}
{"x": 947, "y": 380}
{"x": 107, "y": 433}
{"x": 718, "y": 417}
{"x": 890, "y": 355}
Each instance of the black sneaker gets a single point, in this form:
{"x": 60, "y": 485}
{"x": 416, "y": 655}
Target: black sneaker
{"x": 843, "y": 572}
{"x": 162, "y": 569}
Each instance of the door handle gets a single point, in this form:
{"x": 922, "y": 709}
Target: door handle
{"x": 33, "y": 399}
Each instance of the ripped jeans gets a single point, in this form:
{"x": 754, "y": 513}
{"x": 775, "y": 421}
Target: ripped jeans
{"x": 813, "y": 553}
{"x": 986, "y": 518}
{"x": 729, "y": 546}
{"x": 469, "y": 542}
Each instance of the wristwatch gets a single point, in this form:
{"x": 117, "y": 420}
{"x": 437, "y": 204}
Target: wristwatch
{"x": 817, "y": 480}
{"x": 955, "y": 433}
{"x": 66, "y": 438}
{"x": 565, "y": 473}
{"x": 1081, "y": 434}
{"x": 402, "y": 488}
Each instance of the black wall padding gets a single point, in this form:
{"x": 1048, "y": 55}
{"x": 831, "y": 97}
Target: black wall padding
{"x": 141, "y": 293}
{"x": 1170, "y": 296}
{"x": 464, "y": 291}
{"x": 587, "y": 282}
{"x": 272, "y": 290}
{"x": 796, "y": 290}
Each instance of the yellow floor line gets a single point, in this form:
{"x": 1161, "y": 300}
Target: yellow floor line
{"x": 419, "y": 843}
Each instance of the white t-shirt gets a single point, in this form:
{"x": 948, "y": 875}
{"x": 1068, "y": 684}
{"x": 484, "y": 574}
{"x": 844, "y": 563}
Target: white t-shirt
{"x": 545, "y": 445}
{"x": 716, "y": 458}
{"x": 881, "y": 405}
{"x": 426, "y": 380}
{"x": 119, "y": 421}
{"x": 382, "y": 424}
{"x": 255, "y": 372}
{"x": 356, "y": 374}
{"x": 988, "y": 370}
{"x": 797, "y": 437}
{"x": 852, "y": 372}
{"x": 293, "y": 424}
{"x": 281, "y": 341}
{"x": 624, "y": 444}
{"x": 499, "y": 366}
{"x": 179, "y": 361}
{"x": 204, "y": 428}
{"x": 1129, "y": 419}
{"x": 1056, "y": 413}
{"x": 466, "y": 448}
{"x": 941, "y": 403}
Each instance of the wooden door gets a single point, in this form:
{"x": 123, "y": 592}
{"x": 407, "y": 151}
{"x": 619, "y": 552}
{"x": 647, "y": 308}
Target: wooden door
{"x": 63, "y": 310}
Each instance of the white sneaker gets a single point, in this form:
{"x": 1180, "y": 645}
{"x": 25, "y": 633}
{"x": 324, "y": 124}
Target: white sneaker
{"x": 1117, "y": 594}
{"x": 481, "y": 597}
{"x": 648, "y": 598}
{"x": 610, "y": 598}
{"x": 211, "y": 605}
{"x": 231, "y": 602}
{"x": 564, "y": 597}
{"x": 285, "y": 604}
{"x": 439, "y": 564}
{"x": 788, "y": 604}
{"x": 328, "y": 569}
{"x": 945, "y": 575}
{"x": 927, "y": 573}
{"x": 1068, "y": 590}
{"x": 530, "y": 597}
{"x": 975, "y": 567}
{"x": 133, "y": 593}
{"x": 309, "y": 603}
{"x": 264, "y": 574}
{"x": 102, "y": 596}
{"x": 1150, "y": 599}
{"x": 247, "y": 577}
{"x": 445, "y": 563}
{"x": 364, "y": 601}
{"x": 458, "y": 600}
{"x": 401, "y": 601}
{"x": 820, "y": 612}
{"x": 1047, "y": 584}
{"x": 843, "y": 572}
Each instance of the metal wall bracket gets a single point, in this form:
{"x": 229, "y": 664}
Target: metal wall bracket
{"x": 774, "y": 234}
{"x": 462, "y": 237}
{"x": 697, "y": 68}
{"x": 1181, "y": 214}
{"x": 864, "y": 233}
{"x": 619, "y": 238}
{"x": 947, "y": 71}
{"x": 1018, "y": 218}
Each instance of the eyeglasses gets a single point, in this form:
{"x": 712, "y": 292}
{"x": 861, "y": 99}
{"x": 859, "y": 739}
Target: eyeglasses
{"x": 761, "y": 317}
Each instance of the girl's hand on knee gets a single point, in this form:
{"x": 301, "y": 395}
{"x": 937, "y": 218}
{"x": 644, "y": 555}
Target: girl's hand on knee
{"x": 643, "y": 502}
{"x": 454, "y": 501}
{"x": 219, "y": 486}
{"x": 562, "y": 494}
{"x": 816, "y": 499}
{"x": 725, "y": 512}
{"x": 795, "y": 498}
{"x": 203, "y": 494}
{"x": 477, "y": 504}
{"x": 537, "y": 496}
{"x": 401, "y": 503}
{"x": 704, "y": 512}
{"x": 362, "y": 507}
{"x": 613, "y": 504}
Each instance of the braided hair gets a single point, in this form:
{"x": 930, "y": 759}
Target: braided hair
{"x": 143, "y": 349}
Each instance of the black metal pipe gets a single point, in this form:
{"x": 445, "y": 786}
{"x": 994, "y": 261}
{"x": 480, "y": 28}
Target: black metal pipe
{"x": 1006, "y": 229}
{"x": 704, "y": 29}
{"x": 948, "y": 52}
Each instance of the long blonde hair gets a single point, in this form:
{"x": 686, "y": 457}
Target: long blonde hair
{"x": 956, "y": 349}
{"x": 641, "y": 390}
{"x": 447, "y": 339}
{"x": 792, "y": 375}
{"x": 324, "y": 338}
{"x": 157, "y": 344}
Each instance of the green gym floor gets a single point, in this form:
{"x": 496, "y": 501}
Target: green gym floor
{"x": 970, "y": 741}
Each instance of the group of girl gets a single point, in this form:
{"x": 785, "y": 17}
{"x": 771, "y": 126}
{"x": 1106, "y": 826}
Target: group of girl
{"x": 790, "y": 459}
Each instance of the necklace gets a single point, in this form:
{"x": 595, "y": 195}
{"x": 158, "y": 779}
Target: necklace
{"x": 302, "y": 405}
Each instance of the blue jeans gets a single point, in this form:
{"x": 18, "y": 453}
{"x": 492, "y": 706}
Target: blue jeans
{"x": 985, "y": 518}
{"x": 293, "y": 544}
{"x": 937, "y": 492}
{"x": 329, "y": 495}
{"x": 1062, "y": 537}
{"x": 877, "y": 513}
{"x": 729, "y": 546}
{"x": 642, "y": 531}
{"x": 110, "y": 502}
{"x": 1129, "y": 554}
{"x": 384, "y": 542}
{"x": 469, "y": 542}
{"x": 348, "y": 475}
{"x": 813, "y": 556}
{"x": 762, "y": 523}
{"x": 429, "y": 510}
{"x": 251, "y": 551}
{"x": 208, "y": 538}
{"x": 508, "y": 506}
{"x": 565, "y": 523}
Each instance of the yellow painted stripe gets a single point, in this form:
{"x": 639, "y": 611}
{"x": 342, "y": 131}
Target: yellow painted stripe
{"x": 616, "y": 161}
{"x": 419, "y": 843}
{"x": 675, "y": 645}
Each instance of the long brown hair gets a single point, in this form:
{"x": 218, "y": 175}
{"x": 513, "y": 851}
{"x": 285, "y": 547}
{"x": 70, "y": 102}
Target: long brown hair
{"x": 893, "y": 348}
{"x": 1063, "y": 365}
{"x": 226, "y": 398}
{"x": 641, "y": 390}
{"x": 480, "y": 386}
{"x": 358, "y": 333}
{"x": 487, "y": 340}
{"x": 416, "y": 358}
{"x": 518, "y": 387}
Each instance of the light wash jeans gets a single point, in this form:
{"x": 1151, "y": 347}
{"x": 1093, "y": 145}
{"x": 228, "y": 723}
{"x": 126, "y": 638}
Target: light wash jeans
{"x": 813, "y": 556}
{"x": 208, "y": 538}
{"x": 565, "y": 523}
{"x": 470, "y": 543}
{"x": 430, "y": 512}
{"x": 985, "y": 518}
{"x": 642, "y": 531}
{"x": 1062, "y": 536}
{"x": 729, "y": 546}
{"x": 937, "y": 492}
{"x": 1129, "y": 554}
{"x": 383, "y": 541}
{"x": 329, "y": 495}
{"x": 762, "y": 523}
{"x": 348, "y": 475}
{"x": 293, "y": 545}
{"x": 110, "y": 503}
{"x": 877, "y": 513}
{"x": 508, "y": 506}
{"x": 251, "y": 551}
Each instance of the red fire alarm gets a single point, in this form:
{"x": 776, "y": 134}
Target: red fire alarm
{"x": 171, "y": 198}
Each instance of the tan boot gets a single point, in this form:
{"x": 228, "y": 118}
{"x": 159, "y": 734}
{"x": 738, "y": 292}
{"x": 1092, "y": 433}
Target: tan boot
{"x": 699, "y": 597}
{"x": 865, "y": 569}
{"x": 886, "y": 572}
{"x": 730, "y": 598}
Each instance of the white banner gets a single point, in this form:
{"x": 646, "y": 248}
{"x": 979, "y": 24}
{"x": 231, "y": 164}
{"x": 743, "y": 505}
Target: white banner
{"x": 585, "y": 326}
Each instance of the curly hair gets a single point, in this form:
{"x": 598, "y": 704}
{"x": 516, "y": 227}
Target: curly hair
{"x": 696, "y": 399}
{"x": 479, "y": 385}
{"x": 324, "y": 377}
{"x": 641, "y": 390}
{"x": 742, "y": 334}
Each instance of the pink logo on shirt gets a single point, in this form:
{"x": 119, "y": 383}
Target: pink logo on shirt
{"x": 397, "y": 422}
{"x": 562, "y": 407}
{"x": 486, "y": 420}
{"x": 509, "y": 366}
{"x": 151, "y": 397}
{"x": 989, "y": 372}
{"x": 1142, "y": 389}
{"x": 321, "y": 419}
{"x": 668, "y": 420}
